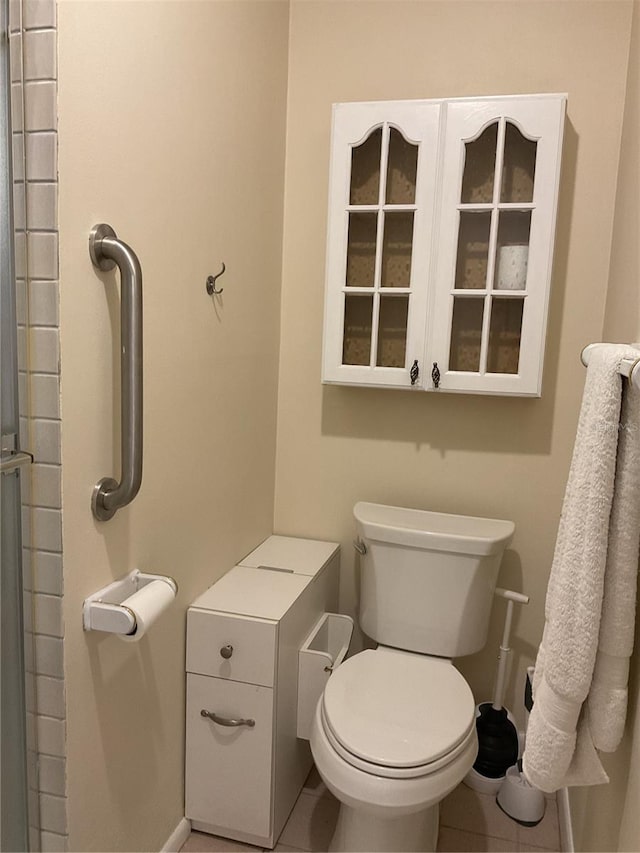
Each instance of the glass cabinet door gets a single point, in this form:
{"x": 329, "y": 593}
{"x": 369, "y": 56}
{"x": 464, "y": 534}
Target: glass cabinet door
{"x": 499, "y": 189}
{"x": 382, "y": 195}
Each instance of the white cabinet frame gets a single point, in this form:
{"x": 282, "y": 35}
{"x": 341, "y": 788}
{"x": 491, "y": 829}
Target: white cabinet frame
{"x": 440, "y": 129}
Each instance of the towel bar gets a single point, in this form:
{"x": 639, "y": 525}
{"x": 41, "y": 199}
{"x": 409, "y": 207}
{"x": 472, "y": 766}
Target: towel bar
{"x": 628, "y": 366}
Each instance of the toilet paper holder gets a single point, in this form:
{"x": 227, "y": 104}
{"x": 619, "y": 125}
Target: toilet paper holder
{"x": 107, "y": 610}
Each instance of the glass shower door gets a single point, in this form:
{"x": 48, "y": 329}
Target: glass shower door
{"x": 14, "y": 827}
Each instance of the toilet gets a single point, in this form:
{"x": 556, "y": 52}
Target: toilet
{"x": 394, "y": 731}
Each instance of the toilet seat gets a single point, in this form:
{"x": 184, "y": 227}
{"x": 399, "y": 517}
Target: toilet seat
{"x": 397, "y": 714}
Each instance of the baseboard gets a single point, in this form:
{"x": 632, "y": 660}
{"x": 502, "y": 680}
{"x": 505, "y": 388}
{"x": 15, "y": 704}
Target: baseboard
{"x": 564, "y": 819}
{"x": 178, "y": 837}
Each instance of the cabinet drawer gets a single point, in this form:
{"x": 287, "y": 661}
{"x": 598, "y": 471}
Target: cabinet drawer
{"x": 228, "y": 770}
{"x": 253, "y": 641}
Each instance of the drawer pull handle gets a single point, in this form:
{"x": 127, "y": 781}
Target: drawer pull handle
{"x": 226, "y": 721}
{"x": 226, "y": 651}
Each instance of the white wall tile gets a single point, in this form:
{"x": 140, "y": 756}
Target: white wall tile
{"x": 42, "y": 206}
{"x": 52, "y": 842}
{"x": 46, "y": 486}
{"x": 15, "y": 15}
{"x": 40, "y": 105}
{"x": 47, "y": 572}
{"x": 46, "y": 533}
{"x": 41, "y": 156}
{"x": 51, "y": 734}
{"x": 15, "y": 55}
{"x": 30, "y": 696}
{"x": 17, "y": 143}
{"x": 23, "y": 356}
{"x": 26, "y": 522}
{"x": 38, "y": 13}
{"x": 44, "y": 349}
{"x": 21, "y": 301}
{"x": 27, "y": 571}
{"x": 45, "y": 440}
{"x": 49, "y": 656}
{"x": 43, "y": 254}
{"x": 52, "y": 775}
{"x": 17, "y": 123}
{"x": 47, "y": 615}
{"x": 53, "y": 815}
{"x": 43, "y": 303}
{"x": 32, "y": 735}
{"x": 50, "y": 698}
{"x": 39, "y": 55}
{"x": 20, "y": 254}
{"x": 45, "y": 395}
{"x": 29, "y": 652}
{"x": 25, "y": 439}
{"x": 19, "y": 206}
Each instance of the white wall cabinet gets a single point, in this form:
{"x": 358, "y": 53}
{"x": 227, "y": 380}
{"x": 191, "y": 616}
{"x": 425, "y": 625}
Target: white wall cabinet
{"x": 244, "y": 762}
{"x": 440, "y": 243}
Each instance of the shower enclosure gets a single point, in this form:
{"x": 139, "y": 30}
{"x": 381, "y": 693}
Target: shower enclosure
{"x": 16, "y": 673}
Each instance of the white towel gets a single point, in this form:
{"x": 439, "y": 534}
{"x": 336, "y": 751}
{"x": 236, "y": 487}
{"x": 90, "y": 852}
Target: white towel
{"x": 582, "y": 665}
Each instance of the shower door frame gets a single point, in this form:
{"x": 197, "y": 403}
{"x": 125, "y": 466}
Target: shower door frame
{"x": 14, "y": 784}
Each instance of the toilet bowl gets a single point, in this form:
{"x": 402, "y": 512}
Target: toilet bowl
{"x": 394, "y": 731}
{"x": 393, "y": 734}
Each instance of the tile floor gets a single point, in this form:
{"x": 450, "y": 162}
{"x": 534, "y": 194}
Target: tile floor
{"x": 469, "y": 821}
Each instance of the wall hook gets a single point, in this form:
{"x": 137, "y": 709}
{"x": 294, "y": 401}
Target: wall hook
{"x": 211, "y": 283}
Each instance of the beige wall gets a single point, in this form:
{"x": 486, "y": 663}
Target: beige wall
{"x": 608, "y": 818}
{"x": 171, "y": 120}
{"x": 479, "y": 455}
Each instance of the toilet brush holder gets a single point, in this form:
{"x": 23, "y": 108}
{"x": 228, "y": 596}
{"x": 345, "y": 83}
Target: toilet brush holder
{"x": 520, "y": 800}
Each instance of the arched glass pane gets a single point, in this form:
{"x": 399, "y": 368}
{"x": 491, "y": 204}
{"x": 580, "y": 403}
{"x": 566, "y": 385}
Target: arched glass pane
{"x": 365, "y": 170}
{"x": 402, "y": 167}
{"x": 479, "y": 167}
{"x": 519, "y": 167}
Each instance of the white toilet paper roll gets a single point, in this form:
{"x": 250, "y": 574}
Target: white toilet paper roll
{"x": 147, "y": 604}
{"x": 512, "y": 267}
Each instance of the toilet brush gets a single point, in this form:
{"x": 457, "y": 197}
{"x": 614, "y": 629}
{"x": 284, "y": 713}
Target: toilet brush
{"x": 517, "y": 797}
{"x": 498, "y": 743}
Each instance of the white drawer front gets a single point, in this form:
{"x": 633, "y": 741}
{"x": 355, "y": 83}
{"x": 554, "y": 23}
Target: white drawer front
{"x": 228, "y": 770}
{"x": 253, "y": 642}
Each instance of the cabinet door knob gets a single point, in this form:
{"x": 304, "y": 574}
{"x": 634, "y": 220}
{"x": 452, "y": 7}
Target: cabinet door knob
{"x": 226, "y": 651}
{"x": 435, "y": 375}
{"x": 414, "y": 372}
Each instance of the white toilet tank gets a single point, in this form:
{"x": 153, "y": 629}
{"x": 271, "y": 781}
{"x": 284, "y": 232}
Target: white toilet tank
{"x": 428, "y": 578}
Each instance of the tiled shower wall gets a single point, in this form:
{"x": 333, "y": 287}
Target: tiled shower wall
{"x": 34, "y": 124}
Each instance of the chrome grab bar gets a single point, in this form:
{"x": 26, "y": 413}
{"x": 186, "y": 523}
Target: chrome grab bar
{"x": 106, "y": 250}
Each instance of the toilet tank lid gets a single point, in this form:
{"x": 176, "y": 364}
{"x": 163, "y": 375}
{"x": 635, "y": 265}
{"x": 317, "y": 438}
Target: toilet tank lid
{"x": 437, "y": 531}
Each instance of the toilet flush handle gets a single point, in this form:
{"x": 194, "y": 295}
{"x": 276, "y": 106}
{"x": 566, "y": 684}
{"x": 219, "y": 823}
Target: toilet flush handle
{"x": 360, "y": 547}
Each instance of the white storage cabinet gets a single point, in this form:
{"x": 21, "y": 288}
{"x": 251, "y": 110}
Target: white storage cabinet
{"x": 440, "y": 243}
{"x": 244, "y": 764}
